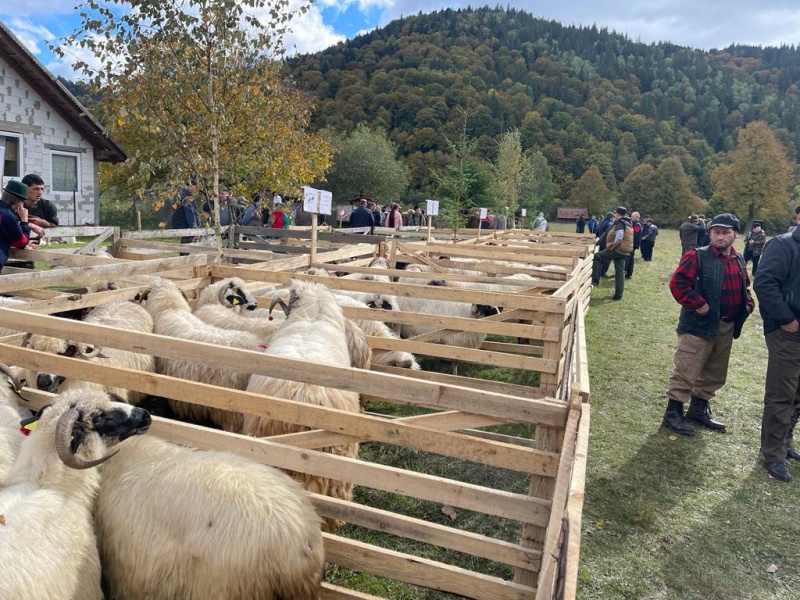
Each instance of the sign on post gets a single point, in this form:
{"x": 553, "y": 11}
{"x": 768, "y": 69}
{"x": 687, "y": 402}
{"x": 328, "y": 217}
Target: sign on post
{"x": 431, "y": 210}
{"x": 316, "y": 202}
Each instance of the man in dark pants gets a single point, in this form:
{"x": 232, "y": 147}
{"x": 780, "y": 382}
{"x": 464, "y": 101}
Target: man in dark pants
{"x": 638, "y": 230}
{"x": 777, "y": 284}
{"x": 619, "y": 244}
{"x": 649, "y": 239}
{"x": 712, "y": 287}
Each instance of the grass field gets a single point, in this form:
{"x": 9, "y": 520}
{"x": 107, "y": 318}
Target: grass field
{"x": 669, "y": 517}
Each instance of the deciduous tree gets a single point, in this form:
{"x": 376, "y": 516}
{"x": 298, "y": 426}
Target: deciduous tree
{"x": 366, "y": 163}
{"x": 192, "y": 88}
{"x": 591, "y": 191}
{"x": 756, "y": 181}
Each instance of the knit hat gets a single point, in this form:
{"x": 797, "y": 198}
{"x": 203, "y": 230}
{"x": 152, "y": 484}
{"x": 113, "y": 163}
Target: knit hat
{"x": 17, "y": 188}
{"x": 609, "y": 215}
{"x": 725, "y": 220}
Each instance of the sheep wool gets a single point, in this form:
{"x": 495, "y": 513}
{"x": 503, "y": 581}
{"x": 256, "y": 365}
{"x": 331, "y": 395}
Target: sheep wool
{"x": 317, "y": 331}
{"x": 47, "y": 540}
{"x": 180, "y": 524}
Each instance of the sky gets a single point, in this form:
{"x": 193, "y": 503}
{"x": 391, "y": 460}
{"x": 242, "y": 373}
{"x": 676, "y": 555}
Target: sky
{"x": 701, "y": 24}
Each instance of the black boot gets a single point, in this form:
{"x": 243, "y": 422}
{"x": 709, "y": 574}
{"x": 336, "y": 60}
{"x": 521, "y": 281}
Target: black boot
{"x": 792, "y": 453}
{"x": 700, "y": 413}
{"x": 674, "y": 419}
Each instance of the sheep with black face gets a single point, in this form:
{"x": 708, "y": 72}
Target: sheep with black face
{"x": 47, "y": 537}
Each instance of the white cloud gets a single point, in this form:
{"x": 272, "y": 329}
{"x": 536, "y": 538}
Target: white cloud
{"x": 310, "y": 33}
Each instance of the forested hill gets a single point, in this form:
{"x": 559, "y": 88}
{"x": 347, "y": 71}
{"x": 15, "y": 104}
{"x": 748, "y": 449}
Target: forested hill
{"x": 582, "y": 96}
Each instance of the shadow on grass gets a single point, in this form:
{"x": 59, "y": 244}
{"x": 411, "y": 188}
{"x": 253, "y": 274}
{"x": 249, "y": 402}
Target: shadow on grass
{"x": 644, "y": 487}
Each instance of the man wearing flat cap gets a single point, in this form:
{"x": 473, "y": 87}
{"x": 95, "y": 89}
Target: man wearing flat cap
{"x": 777, "y": 285}
{"x": 618, "y": 248}
{"x": 14, "y": 228}
{"x": 713, "y": 289}
{"x": 754, "y": 245}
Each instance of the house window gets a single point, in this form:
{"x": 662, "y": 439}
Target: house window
{"x": 65, "y": 169}
{"x": 12, "y": 157}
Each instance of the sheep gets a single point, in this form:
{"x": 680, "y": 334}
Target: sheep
{"x": 374, "y": 328}
{"x": 10, "y": 438}
{"x": 230, "y": 529}
{"x": 226, "y": 303}
{"x": 172, "y": 316}
{"x": 47, "y": 537}
{"x": 315, "y": 330}
{"x": 124, "y": 315}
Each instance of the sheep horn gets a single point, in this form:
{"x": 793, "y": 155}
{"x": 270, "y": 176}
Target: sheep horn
{"x": 63, "y": 433}
{"x": 277, "y": 300}
{"x": 11, "y": 377}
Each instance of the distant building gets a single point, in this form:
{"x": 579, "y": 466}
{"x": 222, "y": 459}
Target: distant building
{"x": 45, "y": 130}
{"x": 571, "y": 213}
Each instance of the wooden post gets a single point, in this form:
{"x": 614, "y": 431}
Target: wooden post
{"x": 430, "y": 223}
{"x": 480, "y": 222}
{"x": 138, "y": 220}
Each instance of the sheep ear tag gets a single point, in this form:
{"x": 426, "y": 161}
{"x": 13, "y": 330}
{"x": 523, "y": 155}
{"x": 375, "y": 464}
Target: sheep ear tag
{"x": 234, "y": 300}
{"x": 28, "y": 425}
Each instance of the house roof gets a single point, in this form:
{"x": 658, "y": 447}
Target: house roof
{"x": 34, "y": 73}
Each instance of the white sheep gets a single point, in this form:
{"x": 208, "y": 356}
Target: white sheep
{"x": 123, "y": 315}
{"x": 47, "y": 538}
{"x": 175, "y": 523}
{"x": 172, "y": 316}
{"x": 227, "y": 303}
{"x": 10, "y": 302}
{"x": 374, "y": 328}
{"x": 10, "y": 437}
{"x": 316, "y": 331}
{"x": 450, "y": 308}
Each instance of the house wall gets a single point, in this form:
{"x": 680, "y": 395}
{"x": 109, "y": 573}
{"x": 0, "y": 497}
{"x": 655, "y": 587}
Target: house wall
{"x": 23, "y": 111}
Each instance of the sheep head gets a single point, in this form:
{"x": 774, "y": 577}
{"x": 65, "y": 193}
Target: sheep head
{"x": 233, "y": 293}
{"x": 50, "y": 382}
{"x": 85, "y": 423}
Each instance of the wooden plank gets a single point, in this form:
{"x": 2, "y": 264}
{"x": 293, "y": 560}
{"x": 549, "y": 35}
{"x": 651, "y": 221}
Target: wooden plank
{"x": 547, "y": 575}
{"x": 111, "y": 232}
{"x": 478, "y": 252}
{"x": 11, "y": 283}
{"x": 61, "y": 259}
{"x": 335, "y": 592}
{"x": 421, "y": 571}
{"x": 170, "y": 233}
{"x": 429, "y": 533}
{"x": 577, "y": 493}
{"x": 518, "y": 507}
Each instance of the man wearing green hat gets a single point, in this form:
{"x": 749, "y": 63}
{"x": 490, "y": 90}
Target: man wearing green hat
{"x": 14, "y": 228}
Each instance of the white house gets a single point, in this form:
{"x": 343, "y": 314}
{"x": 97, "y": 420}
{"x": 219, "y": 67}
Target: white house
{"x": 45, "y": 130}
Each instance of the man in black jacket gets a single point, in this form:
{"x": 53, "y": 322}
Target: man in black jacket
{"x": 777, "y": 285}
{"x": 361, "y": 216}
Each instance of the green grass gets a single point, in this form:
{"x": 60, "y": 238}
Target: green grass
{"x": 667, "y": 516}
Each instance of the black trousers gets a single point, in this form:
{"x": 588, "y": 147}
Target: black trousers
{"x": 629, "y": 264}
{"x": 647, "y": 250}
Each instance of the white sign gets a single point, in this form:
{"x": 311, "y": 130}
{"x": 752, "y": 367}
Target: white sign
{"x": 484, "y": 213}
{"x": 431, "y": 207}
{"x": 317, "y": 201}
{"x": 523, "y": 212}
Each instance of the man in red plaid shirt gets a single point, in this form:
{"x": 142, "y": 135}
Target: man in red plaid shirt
{"x": 713, "y": 289}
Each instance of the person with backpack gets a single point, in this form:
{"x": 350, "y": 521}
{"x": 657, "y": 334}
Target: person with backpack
{"x": 713, "y": 289}
{"x": 754, "y": 245}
